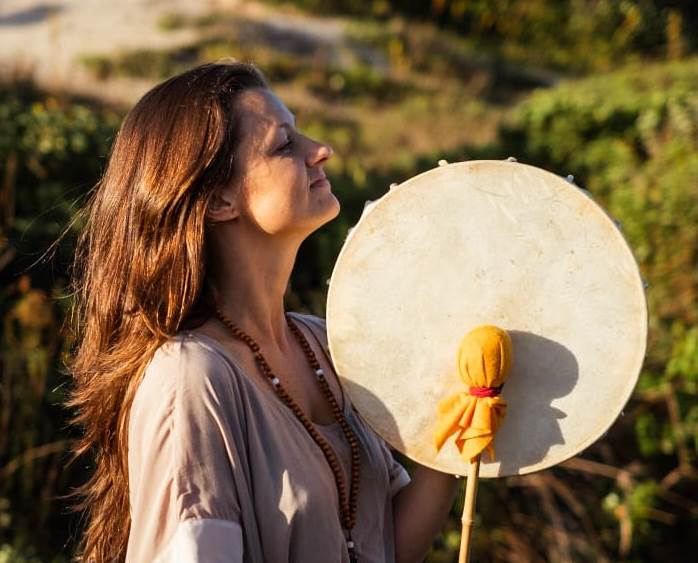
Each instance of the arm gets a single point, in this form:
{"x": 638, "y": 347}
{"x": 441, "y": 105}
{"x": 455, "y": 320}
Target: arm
{"x": 183, "y": 460}
{"x": 420, "y": 510}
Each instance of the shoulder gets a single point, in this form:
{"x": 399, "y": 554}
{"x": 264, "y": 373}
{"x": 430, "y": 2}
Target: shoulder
{"x": 189, "y": 355}
{"x": 317, "y": 322}
{"x": 187, "y": 365}
{"x": 314, "y": 323}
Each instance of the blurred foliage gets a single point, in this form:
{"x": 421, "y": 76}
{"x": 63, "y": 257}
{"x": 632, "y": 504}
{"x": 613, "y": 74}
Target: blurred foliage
{"x": 326, "y": 81}
{"x": 49, "y": 157}
{"x": 629, "y": 136}
{"x": 172, "y": 21}
{"x": 631, "y": 139}
{"x": 570, "y": 35}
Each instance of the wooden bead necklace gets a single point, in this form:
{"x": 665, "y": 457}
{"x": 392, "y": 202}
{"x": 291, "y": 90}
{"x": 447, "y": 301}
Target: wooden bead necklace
{"x": 347, "y": 503}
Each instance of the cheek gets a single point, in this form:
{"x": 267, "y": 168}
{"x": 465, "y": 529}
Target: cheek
{"x": 277, "y": 192}
{"x": 289, "y": 179}
{"x": 277, "y": 206}
{"x": 297, "y": 172}
{"x": 288, "y": 171}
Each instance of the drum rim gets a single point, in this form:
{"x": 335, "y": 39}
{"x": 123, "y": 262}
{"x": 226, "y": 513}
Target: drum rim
{"x": 639, "y": 358}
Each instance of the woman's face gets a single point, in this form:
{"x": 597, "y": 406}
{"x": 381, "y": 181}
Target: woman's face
{"x": 278, "y": 165}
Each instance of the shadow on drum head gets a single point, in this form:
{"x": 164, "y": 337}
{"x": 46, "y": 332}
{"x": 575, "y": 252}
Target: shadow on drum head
{"x": 542, "y": 371}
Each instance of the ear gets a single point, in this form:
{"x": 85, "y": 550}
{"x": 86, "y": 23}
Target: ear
{"x": 223, "y": 206}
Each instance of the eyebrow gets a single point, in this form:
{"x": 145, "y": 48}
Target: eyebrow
{"x": 287, "y": 124}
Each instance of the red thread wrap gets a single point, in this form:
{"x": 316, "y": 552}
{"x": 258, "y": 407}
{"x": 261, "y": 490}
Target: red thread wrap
{"x": 485, "y": 391}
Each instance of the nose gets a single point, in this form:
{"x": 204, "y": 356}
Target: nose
{"x": 320, "y": 153}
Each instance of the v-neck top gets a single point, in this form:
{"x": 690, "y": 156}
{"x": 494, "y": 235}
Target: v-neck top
{"x": 221, "y": 470}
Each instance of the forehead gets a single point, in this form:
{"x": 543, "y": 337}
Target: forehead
{"x": 260, "y": 112}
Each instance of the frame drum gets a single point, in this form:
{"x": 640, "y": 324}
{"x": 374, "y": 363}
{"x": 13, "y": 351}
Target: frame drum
{"x": 488, "y": 242}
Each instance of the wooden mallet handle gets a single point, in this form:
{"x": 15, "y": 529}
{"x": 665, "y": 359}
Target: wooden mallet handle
{"x": 469, "y": 509}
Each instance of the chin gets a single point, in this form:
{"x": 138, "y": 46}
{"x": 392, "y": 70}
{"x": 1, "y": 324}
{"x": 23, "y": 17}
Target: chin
{"x": 328, "y": 213}
{"x": 333, "y": 211}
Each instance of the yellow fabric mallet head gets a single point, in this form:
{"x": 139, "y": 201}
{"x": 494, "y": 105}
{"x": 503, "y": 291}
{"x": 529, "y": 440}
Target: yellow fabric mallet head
{"x": 474, "y": 415}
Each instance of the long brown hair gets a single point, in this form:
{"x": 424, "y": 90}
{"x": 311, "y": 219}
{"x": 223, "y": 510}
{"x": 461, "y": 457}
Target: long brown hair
{"x": 140, "y": 269}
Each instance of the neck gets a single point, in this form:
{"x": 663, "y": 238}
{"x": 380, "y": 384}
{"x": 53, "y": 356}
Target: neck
{"x": 250, "y": 280}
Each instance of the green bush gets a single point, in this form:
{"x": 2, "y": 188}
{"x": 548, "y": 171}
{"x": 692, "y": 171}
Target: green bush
{"x": 631, "y": 138}
{"x": 51, "y": 153}
{"x": 571, "y": 35}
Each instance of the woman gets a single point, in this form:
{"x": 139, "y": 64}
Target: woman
{"x": 207, "y": 405}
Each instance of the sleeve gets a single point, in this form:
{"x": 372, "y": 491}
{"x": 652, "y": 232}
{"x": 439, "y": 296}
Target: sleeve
{"x": 204, "y": 540}
{"x": 397, "y": 474}
{"x": 184, "y": 502}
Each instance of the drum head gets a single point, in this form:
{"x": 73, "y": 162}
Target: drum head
{"x": 488, "y": 242}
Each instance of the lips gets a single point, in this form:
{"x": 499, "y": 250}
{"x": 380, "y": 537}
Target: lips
{"x": 320, "y": 180}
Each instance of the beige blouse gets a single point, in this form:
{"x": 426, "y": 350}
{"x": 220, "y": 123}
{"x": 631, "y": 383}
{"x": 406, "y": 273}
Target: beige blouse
{"x": 221, "y": 471}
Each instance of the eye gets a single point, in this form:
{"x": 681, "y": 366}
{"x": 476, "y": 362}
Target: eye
{"x": 286, "y": 145}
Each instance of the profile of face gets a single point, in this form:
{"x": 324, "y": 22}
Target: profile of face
{"x": 277, "y": 167}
